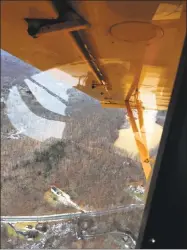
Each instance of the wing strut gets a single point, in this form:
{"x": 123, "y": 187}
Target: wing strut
{"x": 140, "y": 138}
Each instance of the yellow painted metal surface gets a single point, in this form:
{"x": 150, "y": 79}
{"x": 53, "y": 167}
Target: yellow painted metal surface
{"x": 138, "y": 45}
{"x": 140, "y": 139}
{"x": 48, "y": 51}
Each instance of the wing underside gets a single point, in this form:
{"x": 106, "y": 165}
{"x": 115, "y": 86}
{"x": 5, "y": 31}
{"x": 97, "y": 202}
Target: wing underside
{"x": 135, "y": 46}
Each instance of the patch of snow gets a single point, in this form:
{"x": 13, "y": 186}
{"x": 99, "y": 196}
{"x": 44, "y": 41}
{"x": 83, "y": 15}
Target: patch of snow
{"x": 15, "y": 135}
{"x": 2, "y": 99}
{"x": 56, "y": 84}
{"x": 45, "y": 99}
{"x": 22, "y": 118}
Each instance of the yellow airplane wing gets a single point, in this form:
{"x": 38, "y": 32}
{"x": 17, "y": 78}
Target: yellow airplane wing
{"x": 135, "y": 46}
